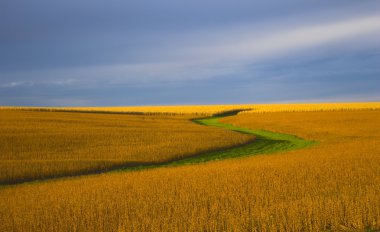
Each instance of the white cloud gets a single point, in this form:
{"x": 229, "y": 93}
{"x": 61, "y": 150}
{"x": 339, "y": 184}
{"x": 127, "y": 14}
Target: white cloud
{"x": 210, "y": 57}
{"x": 282, "y": 41}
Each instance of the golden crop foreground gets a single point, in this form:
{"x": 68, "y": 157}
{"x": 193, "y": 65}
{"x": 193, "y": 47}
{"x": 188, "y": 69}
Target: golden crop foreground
{"x": 334, "y": 186}
{"x": 36, "y": 145}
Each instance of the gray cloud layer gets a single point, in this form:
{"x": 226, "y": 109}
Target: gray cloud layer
{"x": 169, "y": 52}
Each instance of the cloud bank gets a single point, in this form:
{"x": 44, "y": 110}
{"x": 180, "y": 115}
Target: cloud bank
{"x": 281, "y": 53}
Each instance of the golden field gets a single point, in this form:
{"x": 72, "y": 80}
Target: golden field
{"x": 202, "y": 110}
{"x": 36, "y": 145}
{"x": 333, "y": 186}
{"x": 313, "y": 107}
{"x": 216, "y": 109}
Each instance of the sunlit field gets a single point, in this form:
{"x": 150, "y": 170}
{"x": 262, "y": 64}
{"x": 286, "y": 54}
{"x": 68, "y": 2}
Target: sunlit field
{"x": 215, "y": 109}
{"x": 36, "y": 144}
{"x": 333, "y": 185}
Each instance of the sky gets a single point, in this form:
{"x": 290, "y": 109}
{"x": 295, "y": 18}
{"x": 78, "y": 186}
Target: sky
{"x": 173, "y": 52}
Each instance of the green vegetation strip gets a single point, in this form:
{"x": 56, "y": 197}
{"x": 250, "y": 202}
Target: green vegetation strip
{"x": 266, "y": 142}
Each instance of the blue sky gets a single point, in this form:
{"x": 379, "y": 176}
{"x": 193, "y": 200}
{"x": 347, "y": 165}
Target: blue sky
{"x": 92, "y": 52}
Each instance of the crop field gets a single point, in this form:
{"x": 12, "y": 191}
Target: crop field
{"x": 318, "y": 169}
{"x": 35, "y": 145}
{"x": 206, "y": 110}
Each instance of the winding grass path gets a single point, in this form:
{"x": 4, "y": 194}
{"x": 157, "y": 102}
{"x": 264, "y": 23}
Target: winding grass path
{"x": 265, "y": 142}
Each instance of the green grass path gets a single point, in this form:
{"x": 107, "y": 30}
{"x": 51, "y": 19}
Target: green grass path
{"x": 266, "y": 142}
